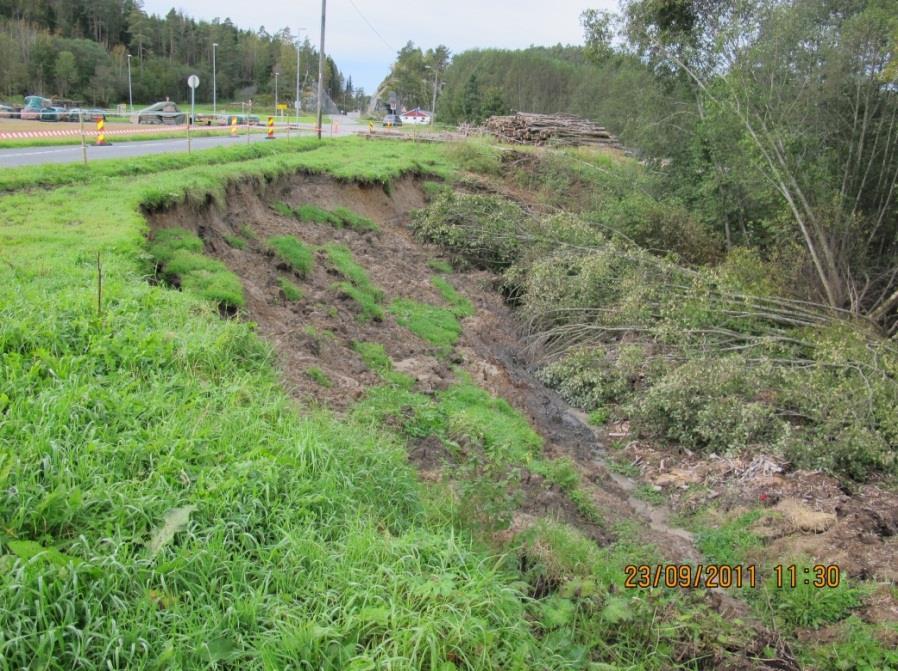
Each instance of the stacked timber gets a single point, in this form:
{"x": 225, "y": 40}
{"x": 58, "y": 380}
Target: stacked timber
{"x": 540, "y": 129}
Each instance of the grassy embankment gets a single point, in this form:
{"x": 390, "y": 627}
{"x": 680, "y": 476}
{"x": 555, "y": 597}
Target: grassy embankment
{"x": 164, "y": 505}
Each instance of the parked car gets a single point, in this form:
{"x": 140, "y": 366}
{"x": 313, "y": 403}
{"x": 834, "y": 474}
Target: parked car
{"x": 242, "y": 119}
{"x": 53, "y": 114}
{"x": 165, "y": 112}
{"x": 392, "y": 120}
{"x": 34, "y": 106}
{"x": 88, "y": 114}
{"x": 8, "y": 112}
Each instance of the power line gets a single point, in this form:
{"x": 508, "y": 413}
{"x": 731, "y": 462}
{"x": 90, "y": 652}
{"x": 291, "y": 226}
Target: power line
{"x": 359, "y": 12}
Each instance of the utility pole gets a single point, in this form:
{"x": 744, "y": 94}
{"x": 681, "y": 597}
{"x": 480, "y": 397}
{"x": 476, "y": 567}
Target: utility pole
{"x": 321, "y": 67}
{"x": 276, "y": 93}
{"x": 297, "y": 102}
{"x": 433, "y": 106}
{"x": 214, "y": 92}
{"x": 130, "y": 98}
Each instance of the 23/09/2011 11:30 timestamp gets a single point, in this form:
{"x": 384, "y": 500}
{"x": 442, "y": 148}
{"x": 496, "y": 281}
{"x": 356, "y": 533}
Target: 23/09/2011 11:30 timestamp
{"x": 710, "y": 576}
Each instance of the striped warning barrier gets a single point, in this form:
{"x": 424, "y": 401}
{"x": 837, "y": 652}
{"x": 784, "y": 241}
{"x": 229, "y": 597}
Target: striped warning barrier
{"x": 270, "y": 134}
{"x": 23, "y": 135}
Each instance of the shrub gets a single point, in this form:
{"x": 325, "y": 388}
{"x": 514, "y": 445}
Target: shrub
{"x": 483, "y": 230}
{"x": 585, "y": 378}
{"x": 714, "y": 405}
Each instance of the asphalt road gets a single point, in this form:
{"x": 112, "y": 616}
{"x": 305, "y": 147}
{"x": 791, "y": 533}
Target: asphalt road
{"x": 13, "y": 158}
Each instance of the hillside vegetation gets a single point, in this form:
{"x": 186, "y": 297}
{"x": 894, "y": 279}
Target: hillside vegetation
{"x": 79, "y": 50}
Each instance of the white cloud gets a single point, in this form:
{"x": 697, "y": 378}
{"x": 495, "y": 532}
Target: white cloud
{"x": 461, "y": 25}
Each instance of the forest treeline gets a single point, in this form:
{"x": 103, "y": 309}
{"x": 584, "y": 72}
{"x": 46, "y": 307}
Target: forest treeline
{"x": 78, "y": 49}
{"x": 771, "y": 124}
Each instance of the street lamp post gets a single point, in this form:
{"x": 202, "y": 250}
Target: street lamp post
{"x": 321, "y": 69}
{"x": 130, "y": 98}
{"x": 214, "y": 92}
{"x": 433, "y": 105}
{"x": 297, "y": 103}
{"x": 276, "y": 93}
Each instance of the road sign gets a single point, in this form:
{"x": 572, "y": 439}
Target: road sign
{"x": 282, "y": 106}
{"x": 193, "y": 81}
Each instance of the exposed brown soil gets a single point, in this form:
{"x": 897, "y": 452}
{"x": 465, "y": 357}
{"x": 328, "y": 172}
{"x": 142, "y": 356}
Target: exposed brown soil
{"x": 317, "y": 332}
{"x": 809, "y": 514}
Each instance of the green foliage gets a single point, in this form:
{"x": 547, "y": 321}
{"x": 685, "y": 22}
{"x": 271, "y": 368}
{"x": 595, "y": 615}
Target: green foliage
{"x": 435, "y": 325}
{"x": 585, "y": 378}
{"x": 293, "y": 253}
{"x": 433, "y": 189}
{"x": 289, "y": 289}
{"x": 319, "y": 377}
{"x": 491, "y": 422}
{"x": 439, "y": 266}
{"x": 729, "y": 543}
{"x": 309, "y": 212}
{"x": 460, "y": 306}
{"x": 235, "y": 241}
{"x": 341, "y": 258}
{"x": 649, "y": 494}
{"x": 476, "y": 157}
{"x": 599, "y": 416}
{"x": 178, "y": 252}
{"x": 712, "y": 405}
{"x": 808, "y": 606}
{"x": 50, "y": 48}
{"x": 368, "y": 304}
{"x": 354, "y": 221}
{"x": 858, "y": 648}
{"x": 483, "y": 230}
{"x": 375, "y": 357}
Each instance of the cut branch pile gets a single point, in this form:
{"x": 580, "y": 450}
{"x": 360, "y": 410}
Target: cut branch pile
{"x": 540, "y": 129}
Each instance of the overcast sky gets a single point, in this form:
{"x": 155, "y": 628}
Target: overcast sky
{"x": 360, "y": 52}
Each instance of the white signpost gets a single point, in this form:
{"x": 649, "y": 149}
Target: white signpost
{"x": 192, "y": 81}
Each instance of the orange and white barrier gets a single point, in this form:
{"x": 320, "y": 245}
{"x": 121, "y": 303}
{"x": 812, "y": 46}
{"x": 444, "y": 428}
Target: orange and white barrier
{"x": 30, "y": 134}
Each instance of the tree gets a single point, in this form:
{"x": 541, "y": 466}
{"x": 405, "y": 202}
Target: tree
{"x": 66, "y": 72}
{"x": 800, "y": 87}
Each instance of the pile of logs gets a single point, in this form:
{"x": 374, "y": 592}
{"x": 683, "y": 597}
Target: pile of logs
{"x": 540, "y": 129}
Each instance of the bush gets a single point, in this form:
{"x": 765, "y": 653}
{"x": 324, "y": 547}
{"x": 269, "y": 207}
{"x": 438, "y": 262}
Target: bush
{"x": 585, "y": 378}
{"x": 483, "y": 230}
{"x": 712, "y": 405}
